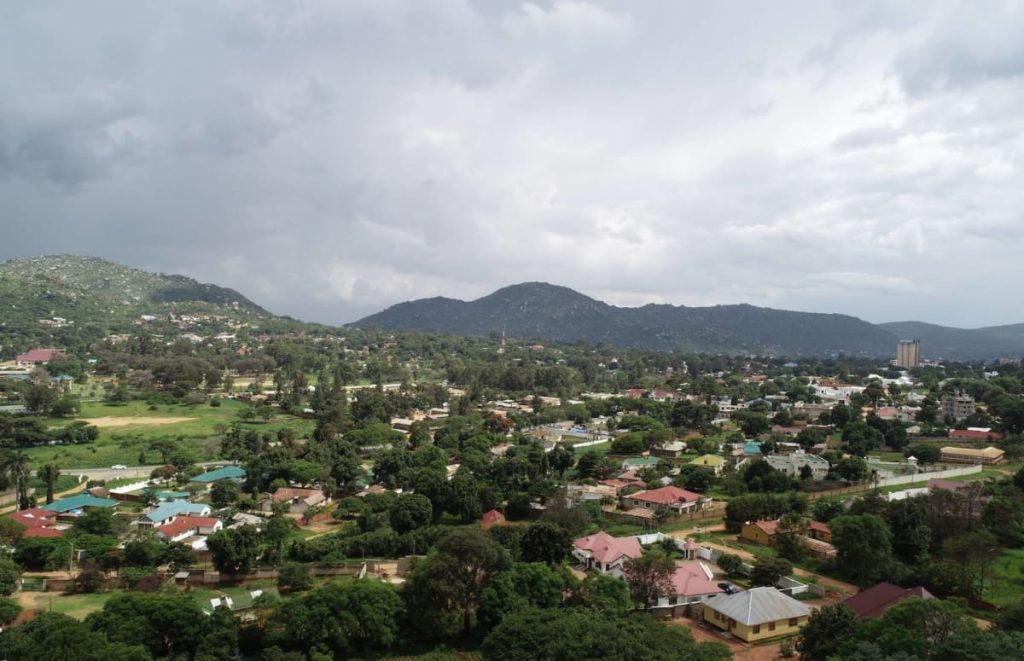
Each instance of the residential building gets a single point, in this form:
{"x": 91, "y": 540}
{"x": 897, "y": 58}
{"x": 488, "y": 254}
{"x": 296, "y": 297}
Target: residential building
{"x": 818, "y": 537}
{"x": 875, "y": 601}
{"x": 957, "y": 406}
{"x": 605, "y": 553}
{"x": 492, "y": 518}
{"x": 908, "y": 354}
{"x": 674, "y": 498}
{"x": 634, "y": 463}
{"x": 672, "y": 450}
{"x": 976, "y": 433}
{"x": 75, "y": 505}
{"x": 712, "y": 462}
{"x": 792, "y": 464}
{"x": 207, "y": 479}
{"x": 756, "y": 614}
{"x": 38, "y": 357}
{"x": 989, "y": 455}
{"x": 298, "y": 500}
{"x": 692, "y": 582}
{"x": 184, "y": 527}
{"x": 166, "y": 512}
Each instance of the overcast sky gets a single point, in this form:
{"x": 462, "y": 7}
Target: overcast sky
{"x": 330, "y": 158}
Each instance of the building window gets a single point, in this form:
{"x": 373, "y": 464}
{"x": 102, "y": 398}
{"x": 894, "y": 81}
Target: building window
{"x": 792, "y": 621}
{"x": 673, "y": 601}
{"x": 771, "y": 626}
{"x": 757, "y": 628}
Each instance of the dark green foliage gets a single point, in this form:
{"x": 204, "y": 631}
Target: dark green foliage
{"x": 545, "y": 542}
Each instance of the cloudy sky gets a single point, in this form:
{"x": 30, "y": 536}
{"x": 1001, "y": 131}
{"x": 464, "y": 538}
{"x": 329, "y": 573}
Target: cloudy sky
{"x": 330, "y": 158}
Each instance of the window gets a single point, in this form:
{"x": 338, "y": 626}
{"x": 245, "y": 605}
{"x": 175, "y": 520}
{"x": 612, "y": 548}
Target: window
{"x": 757, "y": 628}
{"x": 771, "y": 626}
{"x": 673, "y": 601}
{"x": 792, "y": 621}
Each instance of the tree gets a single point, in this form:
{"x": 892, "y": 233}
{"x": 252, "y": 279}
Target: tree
{"x": 49, "y": 474}
{"x": 294, "y": 577}
{"x": 561, "y": 459}
{"x": 852, "y": 469}
{"x": 444, "y": 589}
{"x": 524, "y": 585}
{"x": 178, "y": 556}
{"x": 826, "y": 509}
{"x": 463, "y": 496}
{"x": 649, "y": 578}
{"x": 571, "y": 634}
{"x": 14, "y": 467}
{"x": 751, "y": 423}
{"x": 925, "y": 453}
{"x": 863, "y": 545}
{"x": 275, "y": 533}
{"x": 9, "y": 611}
{"x": 345, "y": 619}
{"x": 826, "y": 631}
{"x": 224, "y": 493}
{"x": 167, "y": 624}
{"x": 767, "y": 571}
{"x": 546, "y": 542}
{"x": 789, "y": 539}
{"x": 234, "y": 551}
{"x": 97, "y": 521}
{"x": 411, "y": 511}
{"x": 730, "y": 563}
{"x": 10, "y": 574}
{"x": 57, "y": 636}
{"x": 11, "y": 531}
{"x": 601, "y": 592}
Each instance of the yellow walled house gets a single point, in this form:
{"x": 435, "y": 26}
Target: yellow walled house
{"x": 756, "y": 614}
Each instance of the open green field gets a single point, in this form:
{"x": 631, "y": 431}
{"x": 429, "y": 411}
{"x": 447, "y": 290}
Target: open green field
{"x": 75, "y": 605}
{"x": 126, "y": 431}
{"x": 1004, "y": 579}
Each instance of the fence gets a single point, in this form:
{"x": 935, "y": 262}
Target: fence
{"x": 921, "y": 477}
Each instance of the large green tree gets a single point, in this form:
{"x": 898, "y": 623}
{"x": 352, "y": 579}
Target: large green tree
{"x": 863, "y": 545}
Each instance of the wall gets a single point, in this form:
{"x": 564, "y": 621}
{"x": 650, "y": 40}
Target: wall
{"x": 921, "y": 477}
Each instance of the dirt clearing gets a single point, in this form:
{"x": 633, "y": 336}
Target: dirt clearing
{"x": 131, "y": 421}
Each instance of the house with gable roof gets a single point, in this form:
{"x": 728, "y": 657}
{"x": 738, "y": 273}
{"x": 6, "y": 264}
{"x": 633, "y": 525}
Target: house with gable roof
{"x": 605, "y": 553}
{"x": 756, "y": 614}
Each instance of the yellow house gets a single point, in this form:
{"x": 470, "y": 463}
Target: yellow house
{"x": 712, "y": 462}
{"x": 756, "y": 614}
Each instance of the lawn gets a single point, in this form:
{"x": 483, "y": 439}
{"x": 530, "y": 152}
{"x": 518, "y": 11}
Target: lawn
{"x": 126, "y": 432}
{"x": 1004, "y": 579}
{"x": 75, "y": 605}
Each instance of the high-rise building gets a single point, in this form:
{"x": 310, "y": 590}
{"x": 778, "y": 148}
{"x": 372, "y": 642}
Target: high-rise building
{"x": 908, "y": 354}
{"x": 958, "y": 405}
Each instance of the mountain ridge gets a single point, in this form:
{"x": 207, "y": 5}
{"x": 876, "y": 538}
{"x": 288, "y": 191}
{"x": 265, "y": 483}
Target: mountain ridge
{"x": 545, "y": 312}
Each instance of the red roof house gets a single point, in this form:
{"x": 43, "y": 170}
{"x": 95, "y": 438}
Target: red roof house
{"x": 186, "y": 526}
{"x": 671, "y": 497}
{"x": 39, "y": 356}
{"x": 693, "y": 581}
{"x": 44, "y": 532}
{"x": 492, "y": 518}
{"x": 605, "y": 553}
{"x": 874, "y": 601}
{"x": 976, "y": 434}
{"x": 35, "y": 517}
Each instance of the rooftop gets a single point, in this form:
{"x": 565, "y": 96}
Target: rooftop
{"x": 758, "y": 606}
{"x": 606, "y": 549}
{"x": 78, "y": 502}
{"x": 666, "y": 496}
{"x": 223, "y": 473}
{"x": 874, "y": 601}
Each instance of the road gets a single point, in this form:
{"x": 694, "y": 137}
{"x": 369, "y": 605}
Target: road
{"x": 130, "y": 471}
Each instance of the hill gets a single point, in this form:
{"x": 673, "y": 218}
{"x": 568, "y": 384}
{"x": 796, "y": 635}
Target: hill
{"x": 94, "y": 292}
{"x": 550, "y": 313}
{"x": 547, "y": 312}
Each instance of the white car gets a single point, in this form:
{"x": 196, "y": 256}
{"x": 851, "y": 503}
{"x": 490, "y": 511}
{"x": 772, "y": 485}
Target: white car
{"x": 118, "y": 467}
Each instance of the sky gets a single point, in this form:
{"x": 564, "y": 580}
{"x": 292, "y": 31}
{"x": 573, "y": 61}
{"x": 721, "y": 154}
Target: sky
{"x": 328, "y": 159}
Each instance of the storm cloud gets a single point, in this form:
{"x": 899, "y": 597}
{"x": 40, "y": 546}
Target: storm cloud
{"x": 328, "y": 159}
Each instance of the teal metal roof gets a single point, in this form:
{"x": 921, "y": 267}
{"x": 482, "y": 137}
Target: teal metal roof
{"x": 225, "y": 473}
{"x": 78, "y": 502}
{"x": 171, "y": 495}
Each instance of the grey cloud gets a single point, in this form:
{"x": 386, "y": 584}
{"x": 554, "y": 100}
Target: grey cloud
{"x": 329, "y": 159}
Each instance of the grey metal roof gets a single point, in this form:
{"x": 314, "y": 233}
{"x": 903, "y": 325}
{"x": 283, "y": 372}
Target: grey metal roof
{"x": 758, "y": 606}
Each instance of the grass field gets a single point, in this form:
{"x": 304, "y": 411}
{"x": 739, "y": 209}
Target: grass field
{"x": 1004, "y": 580}
{"x": 126, "y": 431}
{"x": 76, "y": 605}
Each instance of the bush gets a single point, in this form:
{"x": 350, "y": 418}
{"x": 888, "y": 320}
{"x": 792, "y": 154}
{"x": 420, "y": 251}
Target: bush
{"x": 294, "y": 577}
{"x": 731, "y": 564}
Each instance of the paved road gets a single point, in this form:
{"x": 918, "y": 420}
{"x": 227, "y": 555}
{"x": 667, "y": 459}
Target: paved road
{"x": 131, "y": 471}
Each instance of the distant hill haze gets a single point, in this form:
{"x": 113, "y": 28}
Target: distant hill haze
{"x": 547, "y": 312}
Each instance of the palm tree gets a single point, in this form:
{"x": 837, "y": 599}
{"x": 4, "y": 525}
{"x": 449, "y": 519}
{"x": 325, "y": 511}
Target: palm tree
{"x": 15, "y": 467}
{"x": 48, "y": 474}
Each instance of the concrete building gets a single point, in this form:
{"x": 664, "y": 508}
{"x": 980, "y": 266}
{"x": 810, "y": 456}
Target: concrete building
{"x": 756, "y": 614}
{"x": 958, "y": 406}
{"x": 908, "y": 354}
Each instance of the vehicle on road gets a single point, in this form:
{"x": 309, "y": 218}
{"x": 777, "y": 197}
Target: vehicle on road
{"x": 118, "y": 467}
{"x": 728, "y": 588}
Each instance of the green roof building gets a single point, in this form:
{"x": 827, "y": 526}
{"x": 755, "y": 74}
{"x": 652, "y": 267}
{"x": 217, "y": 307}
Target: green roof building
{"x": 236, "y": 473}
{"x": 81, "y": 501}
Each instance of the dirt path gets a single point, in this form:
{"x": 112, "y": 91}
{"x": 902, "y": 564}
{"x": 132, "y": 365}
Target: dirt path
{"x": 134, "y": 421}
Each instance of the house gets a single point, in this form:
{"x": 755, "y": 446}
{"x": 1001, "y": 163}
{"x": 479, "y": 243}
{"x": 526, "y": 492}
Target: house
{"x": 491, "y": 519}
{"x": 672, "y": 450}
{"x": 242, "y": 519}
{"x": 38, "y": 357}
{"x": 298, "y": 500}
{"x": 77, "y": 504}
{"x": 164, "y": 513}
{"x": 171, "y": 495}
{"x": 207, "y": 479}
{"x": 793, "y": 464}
{"x": 605, "y": 553}
{"x": 756, "y": 614}
{"x": 989, "y": 455}
{"x": 35, "y": 517}
{"x": 636, "y": 463}
{"x": 674, "y": 498}
{"x": 875, "y": 601}
{"x": 183, "y": 527}
{"x": 976, "y": 433}
{"x": 752, "y": 449}
{"x": 760, "y": 532}
{"x": 712, "y": 462}
{"x": 692, "y": 582}
{"x": 818, "y": 538}
{"x": 946, "y": 485}
{"x": 44, "y": 532}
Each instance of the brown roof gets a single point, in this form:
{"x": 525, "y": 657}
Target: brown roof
{"x": 666, "y": 496}
{"x": 874, "y": 601}
{"x": 607, "y": 549}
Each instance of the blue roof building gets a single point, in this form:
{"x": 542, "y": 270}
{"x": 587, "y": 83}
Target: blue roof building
{"x": 236, "y": 473}
{"x": 79, "y": 502}
{"x": 165, "y": 512}
{"x": 751, "y": 448}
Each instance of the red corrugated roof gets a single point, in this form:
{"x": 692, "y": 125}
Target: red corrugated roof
{"x": 605, "y": 548}
{"x": 39, "y": 355}
{"x": 874, "y": 601}
{"x": 35, "y": 517}
{"x": 666, "y": 496}
{"x": 44, "y": 532}
{"x": 186, "y": 523}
